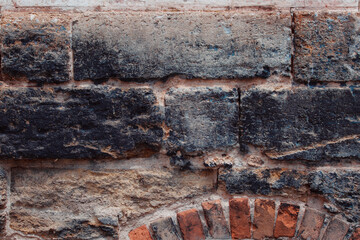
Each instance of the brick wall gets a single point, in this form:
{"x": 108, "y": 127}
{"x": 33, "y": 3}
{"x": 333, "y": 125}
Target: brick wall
{"x": 153, "y": 120}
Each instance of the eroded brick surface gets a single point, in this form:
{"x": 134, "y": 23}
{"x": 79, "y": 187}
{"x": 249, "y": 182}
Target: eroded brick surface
{"x": 264, "y": 218}
{"x": 164, "y": 229}
{"x": 286, "y": 220}
{"x": 356, "y": 234}
{"x": 311, "y": 224}
{"x": 240, "y": 220}
{"x": 336, "y": 229}
{"x": 77, "y": 201}
{"x": 190, "y": 225}
{"x": 90, "y": 122}
{"x": 140, "y": 233}
{"x": 196, "y": 44}
{"x": 215, "y": 219}
{"x": 201, "y": 119}
{"x": 304, "y": 124}
{"x": 36, "y": 46}
{"x": 326, "y": 46}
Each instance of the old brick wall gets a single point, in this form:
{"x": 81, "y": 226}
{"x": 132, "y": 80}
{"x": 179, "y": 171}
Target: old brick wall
{"x": 198, "y": 119}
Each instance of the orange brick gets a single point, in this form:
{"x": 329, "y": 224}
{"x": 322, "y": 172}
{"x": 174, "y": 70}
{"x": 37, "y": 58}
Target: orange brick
{"x": 356, "y": 234}
{"x": 215, "y": 219}
{"x": 240, "y": 220}
{"x": 286, "y": 221}
{"x": 190, "y": 225}
{"x": 140, "y": 233}
{"x": 264, "y": 219}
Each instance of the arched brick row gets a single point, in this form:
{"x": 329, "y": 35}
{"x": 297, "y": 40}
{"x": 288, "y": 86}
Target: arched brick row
{"x": 266, "y": 223}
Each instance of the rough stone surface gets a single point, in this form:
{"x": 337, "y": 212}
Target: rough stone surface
{"x": 215, "y": 219}
{"x": 306, "y": 124}
{"x": 201, "y": 119}
{"x": 36, "y": 46}
{"x": 196, "y": 44}
{"x": 336, "y": 229}
{"x": 342, "y": 188}
{"x": 240, "y": 219}
{"x": 190, "y": 225}
{"x": 264, "y": 219}
{"x": 326, "y": 46}
{"x": 3, "y": 188}
{"x": 285, "y": 225}
{"x": 89, "y": 122}
{"x": 356, "y": 234}
{"x": 311, "y": 224}
{"x": 164, "y": 229}
{"x": 140, "y": 233}
{"x": 59, "y": 203}
{"x": 2, "y": 224}
{"x": 262, "y": 181}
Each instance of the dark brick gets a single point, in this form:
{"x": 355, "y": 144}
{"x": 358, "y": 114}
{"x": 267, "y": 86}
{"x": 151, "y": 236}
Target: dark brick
{"x": 240, "y": 219}
{"x": 285, "y": 225}
{"x": 336, "y": 230}
{"x": 197, "y": 44}
{"x": 306, "y": 124}
{"x": 215, "y": 219}
{"x": 36, "y": 46}
{"x": 326, "y": 46}
{"x": 164, "y": 229}
{"x": 201, "y": 119}
{"x": 90, "y": 122}
{"x": 190, "y": 225}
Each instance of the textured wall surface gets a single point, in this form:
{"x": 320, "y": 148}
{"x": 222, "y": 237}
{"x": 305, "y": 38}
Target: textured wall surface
{"x": 197, "y": 119}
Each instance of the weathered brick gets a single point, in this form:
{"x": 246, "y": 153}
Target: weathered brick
{"x": 240, "y": 220}
{"x": 356, "y": 234}
{"x": 36, "y": 46}
{"x": 285, "y": 225}
{"x": 140, "y": 233}
{"x": 197, "y": 44}
{"x": 215, "y": 219}
{"x": 264, "y": 218}
{"x": 201, "y": 119}
{"x": 190, "y": 225}
{"x": 311, "y": 224}
{"x": 336, "y": 230}
{"x": 89, "y": 122}
{"x": 326, "y": 46}
{"x": 164, "y": 229}
{"x": 2, "y": 224}
{"x": 66, "y": 204}
{"x": 304, "y": 123}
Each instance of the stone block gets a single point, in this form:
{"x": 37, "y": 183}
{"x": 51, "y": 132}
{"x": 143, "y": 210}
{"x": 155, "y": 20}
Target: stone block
{"x": 155, "y": 45}
{"x": 79, "y": 123}
{"x": 36, "y": 47}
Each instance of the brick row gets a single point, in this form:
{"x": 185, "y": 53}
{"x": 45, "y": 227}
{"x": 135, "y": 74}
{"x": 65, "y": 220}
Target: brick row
{"x": 266, "y": 223}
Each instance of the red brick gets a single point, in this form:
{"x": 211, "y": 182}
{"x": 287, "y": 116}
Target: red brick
{"x": 264, "y": 219}
{"x": 190, "y": 225}
{"x": 356, "y": 234}
{"x": 240, "y": 220}
{"x": 336, "y": 230}
{"x": 215, "y": 219}
{"x": 311, "y": 224}
{"x": 286, "y": 221}
{"x": 140, "y": 233}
